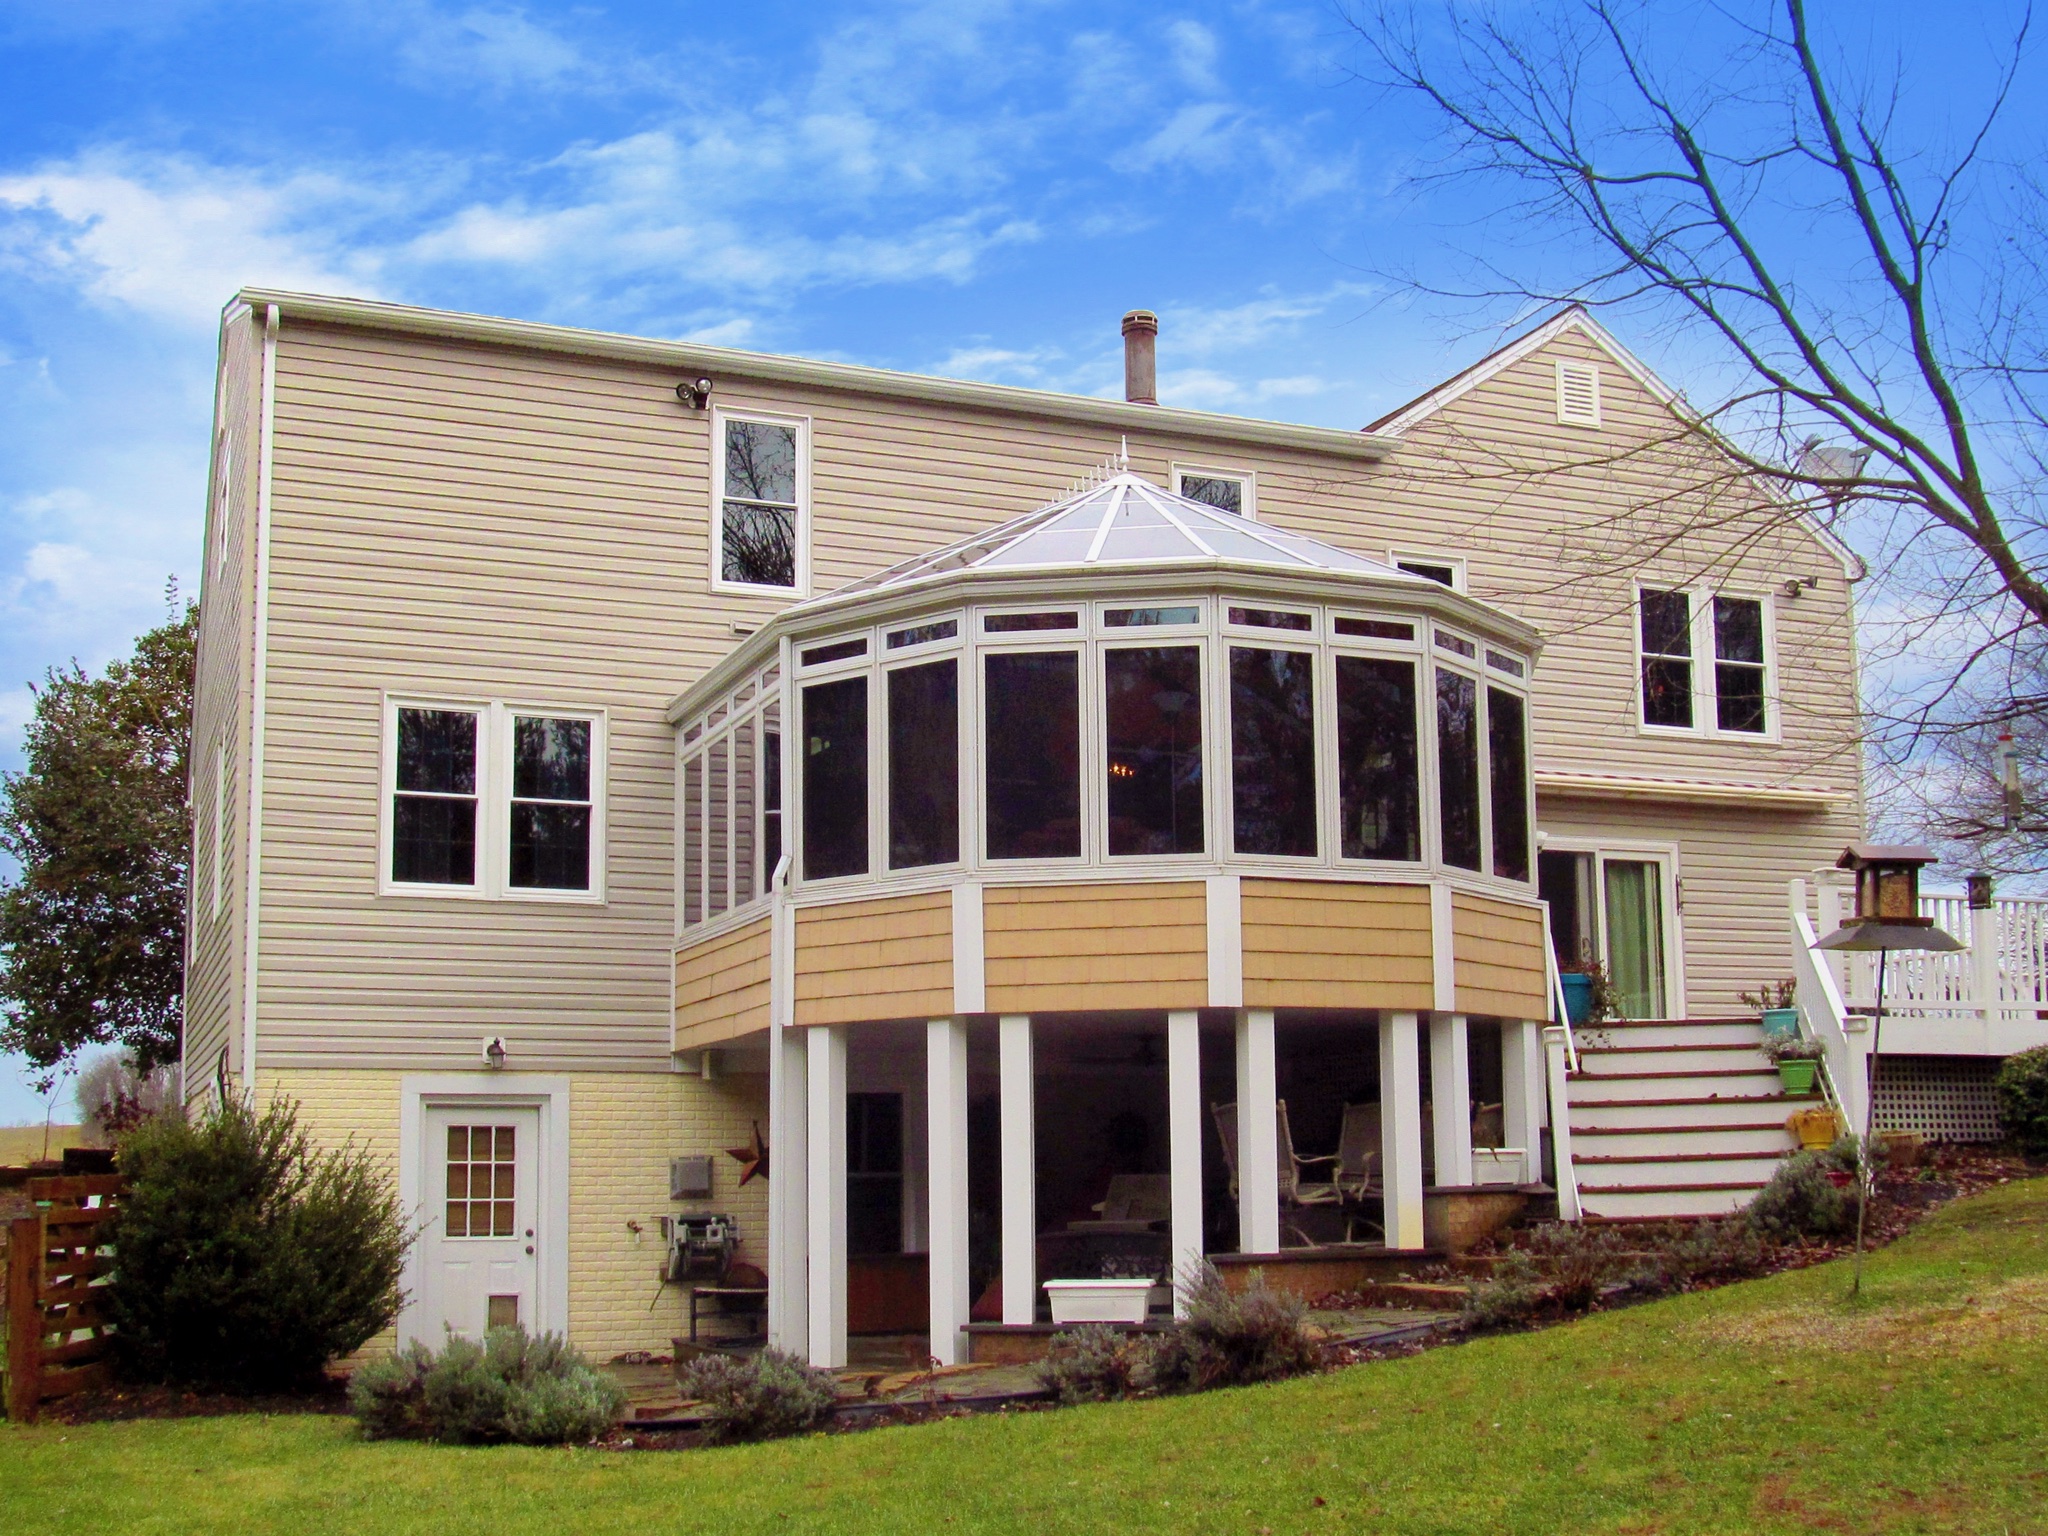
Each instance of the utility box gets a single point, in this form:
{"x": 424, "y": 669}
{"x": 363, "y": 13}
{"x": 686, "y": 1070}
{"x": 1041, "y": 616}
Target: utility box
{"x": 689, "y": 1178}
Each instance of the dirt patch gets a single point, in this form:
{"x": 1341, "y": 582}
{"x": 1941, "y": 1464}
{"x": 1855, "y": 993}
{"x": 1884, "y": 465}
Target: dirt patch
{"x": 142, "y": 1402}
{"x": 2010, "y": 1312}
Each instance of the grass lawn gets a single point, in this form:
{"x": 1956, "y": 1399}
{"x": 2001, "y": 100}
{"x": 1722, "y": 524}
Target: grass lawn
{"x": 1778, "y": 1405}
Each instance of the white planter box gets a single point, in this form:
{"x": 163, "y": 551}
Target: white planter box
{"x": 1098, "y": 1301}
{"x": 1501, "y": 1165}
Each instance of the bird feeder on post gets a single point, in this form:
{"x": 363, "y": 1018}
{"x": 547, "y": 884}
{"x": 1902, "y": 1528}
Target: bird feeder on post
{"x": 1887, "y": 918}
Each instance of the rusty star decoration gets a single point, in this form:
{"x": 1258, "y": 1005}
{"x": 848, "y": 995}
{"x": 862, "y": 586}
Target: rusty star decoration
{"x": 753, "y": 1159}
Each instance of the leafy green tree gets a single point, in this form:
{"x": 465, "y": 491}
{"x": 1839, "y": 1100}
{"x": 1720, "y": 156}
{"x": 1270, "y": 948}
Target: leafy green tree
{"x": 92, "y": 925}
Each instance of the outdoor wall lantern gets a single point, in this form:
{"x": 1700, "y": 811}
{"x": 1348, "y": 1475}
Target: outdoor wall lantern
{"x": 1887, "y": 918}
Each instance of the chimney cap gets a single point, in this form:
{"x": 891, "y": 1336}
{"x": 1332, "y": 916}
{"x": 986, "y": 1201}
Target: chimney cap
{"x": 1141, "y": 320}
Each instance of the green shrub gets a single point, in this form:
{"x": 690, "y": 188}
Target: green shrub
{"x": 244, "y": 1258}
{"x": 1231, "y": 1338}
{"x": 1514, "y": 1293}
{"x": 1728, "y": 1248}
{"x": 2022, "y": 1089}
{"x": 1801, "y": 1201}
{"x": 758, "y": 1396}
{"x": 1577, "y": 1260}
{"x": 1092, "y": 1364}
{"x": 514, "y": 1387}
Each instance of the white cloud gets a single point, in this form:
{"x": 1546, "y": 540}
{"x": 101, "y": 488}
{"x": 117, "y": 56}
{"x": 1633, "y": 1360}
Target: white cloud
{"x": 1203, "y": 331}
{"x": 501, "y": 49}
{"x": 1198, "y": 135}
{"x": 1191, "y": 48}
{"x": 173, "y": 238}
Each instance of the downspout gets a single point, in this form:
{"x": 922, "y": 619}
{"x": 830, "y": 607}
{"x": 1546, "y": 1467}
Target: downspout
{"x": 259, "y": 682}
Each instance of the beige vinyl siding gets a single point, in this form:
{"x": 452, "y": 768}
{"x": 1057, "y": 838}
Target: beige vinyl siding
{"x": 1733, "y": 868}
{"x": 488, "y": 523}
{"x": 722, "y": 986}
{"x": 1095, "y": 946}
{"x": 886, "y": 959}
{"x": 1336, "y": 944}
{"x": 1497, "y": 957}
{"x": 220, "y": 718}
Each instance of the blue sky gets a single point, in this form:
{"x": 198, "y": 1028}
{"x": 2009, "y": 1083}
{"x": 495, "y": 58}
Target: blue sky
{"x": 976, "y": 187}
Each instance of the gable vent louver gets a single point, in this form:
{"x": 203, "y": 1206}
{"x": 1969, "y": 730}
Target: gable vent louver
{"x": 1578, "y": 394}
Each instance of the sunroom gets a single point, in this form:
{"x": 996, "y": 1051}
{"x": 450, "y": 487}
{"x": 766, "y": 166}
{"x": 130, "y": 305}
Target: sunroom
{"x": 1128, "y": 883}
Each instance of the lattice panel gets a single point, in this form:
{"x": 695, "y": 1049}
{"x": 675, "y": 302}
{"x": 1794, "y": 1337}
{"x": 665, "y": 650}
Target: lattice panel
{"x": 1944, "y": 1098}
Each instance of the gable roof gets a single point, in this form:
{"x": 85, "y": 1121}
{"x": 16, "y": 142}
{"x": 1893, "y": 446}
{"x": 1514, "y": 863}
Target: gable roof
{"x": 1576, "y": 317}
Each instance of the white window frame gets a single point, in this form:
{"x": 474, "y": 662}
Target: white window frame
{"x": 1431, "y": 557}
{"x": 494, "y": 799}
{"x": 1245, "y": 477}
{"x": 1590, "y": 374}
{"x": 954, "y": 648}
{"x": 719, "y": 417}
{"x": 1706, "y": 719}
{"x": 1632, "y": 851}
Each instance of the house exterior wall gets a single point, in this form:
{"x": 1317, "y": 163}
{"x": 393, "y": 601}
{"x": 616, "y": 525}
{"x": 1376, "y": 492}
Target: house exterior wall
{"x": 485, "y": 523}
{"x": 1099, "y": 946}
{"x": 623, "y": 1129}
{"x": 722, "y": 986}
{"x": 217, "y": 919}
{"x": 1497, "y": 957}
{"x": 1331, "y": 944}
{"x": 886, "y": 959}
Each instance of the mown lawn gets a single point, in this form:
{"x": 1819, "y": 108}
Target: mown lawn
{"x": 1778, "y": 1405}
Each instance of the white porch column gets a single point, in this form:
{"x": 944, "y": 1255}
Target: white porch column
{"x": 1450, "y": 1093}
{"x": 788, "y": 1176}
{"x": 1561, "y": 1123}
{"x": 1017, "y": 1066}
{"x": 1258, "y": 1135}
{"x": 1522, "y": 1092}
{"x": 826, "y": 1064}
{"x": 945, "y": 1053}
{"x": 1184, "y": 1143}
{"x": 1401, "y": 1129}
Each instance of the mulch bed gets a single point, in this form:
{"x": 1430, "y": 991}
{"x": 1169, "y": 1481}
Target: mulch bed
{"x": 149, "y": 1402}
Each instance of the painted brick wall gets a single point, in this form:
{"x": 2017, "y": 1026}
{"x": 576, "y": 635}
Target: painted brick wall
{"x": 623, "y": 1129}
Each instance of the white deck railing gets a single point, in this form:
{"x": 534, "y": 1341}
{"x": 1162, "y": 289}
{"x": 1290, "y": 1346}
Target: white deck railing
{"x": 1987, "y": 999}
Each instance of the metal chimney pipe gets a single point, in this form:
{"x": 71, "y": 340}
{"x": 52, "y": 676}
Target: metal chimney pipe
{"x": 1141, "y": 363}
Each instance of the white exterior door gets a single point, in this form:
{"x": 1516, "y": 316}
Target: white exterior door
{"x": 481, "y": 1255}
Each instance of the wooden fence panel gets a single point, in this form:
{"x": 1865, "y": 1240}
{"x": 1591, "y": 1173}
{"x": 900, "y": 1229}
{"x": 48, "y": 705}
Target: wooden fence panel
{"x": 57, "y": 1278}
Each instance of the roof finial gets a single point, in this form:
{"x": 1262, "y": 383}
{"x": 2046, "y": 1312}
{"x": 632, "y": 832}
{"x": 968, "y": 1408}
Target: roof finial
{"x": 1123, "y": 452}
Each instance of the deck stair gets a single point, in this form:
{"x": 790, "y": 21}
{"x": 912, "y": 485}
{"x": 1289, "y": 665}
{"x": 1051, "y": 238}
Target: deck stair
{"x": 1675, "y": 1117}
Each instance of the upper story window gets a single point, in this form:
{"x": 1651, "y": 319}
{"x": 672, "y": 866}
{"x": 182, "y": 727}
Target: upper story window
{"x": 1444, "y": 570}
{"x": 1732, "y": 694}
{"x": 1578, "y": 394}
{"x": 493, "y": 800}
{"x": 760, "y": 500}
{"x": 1226, "y": 490}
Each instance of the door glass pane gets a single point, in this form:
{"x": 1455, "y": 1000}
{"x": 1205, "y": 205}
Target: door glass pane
{"x": 1273, "y": 751}
{"x": 1635, "y": 937}
{"x": 1153, "y": 699}
{"x": 481, "y": 1187}
{"x": 1034, "y": 755}
{"x": 1377, "y": 794}
{"x": 874, "y": 1173}
{"x": 1457, "y": 767}
{"x": 1507, "y": 746}
{"x": 924, "y": 765}
{"x": 836, "y": 779}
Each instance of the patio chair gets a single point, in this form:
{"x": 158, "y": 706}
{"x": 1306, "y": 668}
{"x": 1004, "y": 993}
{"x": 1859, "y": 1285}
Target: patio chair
{"x": 1293, "y": 1192}
{"x": 1133, "y": 1202}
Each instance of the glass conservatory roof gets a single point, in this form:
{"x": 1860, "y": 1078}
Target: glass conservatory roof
{"x": 1127, "y": 520}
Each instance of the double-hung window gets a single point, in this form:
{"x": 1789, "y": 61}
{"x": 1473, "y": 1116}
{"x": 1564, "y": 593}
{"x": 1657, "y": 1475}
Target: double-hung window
{"x": 493, "y": 800}
{"x": 1730, "y": 695}
{"x": 760, "y": 524}
{"x": 1225, "y": 490}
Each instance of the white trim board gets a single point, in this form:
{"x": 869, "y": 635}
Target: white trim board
{"x": 486, "y": 1089}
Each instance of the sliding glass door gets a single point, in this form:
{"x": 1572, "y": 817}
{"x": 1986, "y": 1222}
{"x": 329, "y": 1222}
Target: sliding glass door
{"x": 1612, "y": 908}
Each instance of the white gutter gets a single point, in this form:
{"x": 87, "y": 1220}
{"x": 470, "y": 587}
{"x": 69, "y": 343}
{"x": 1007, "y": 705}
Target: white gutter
{"x": 259, "y": 680}
{"x": 693, "y": 359}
